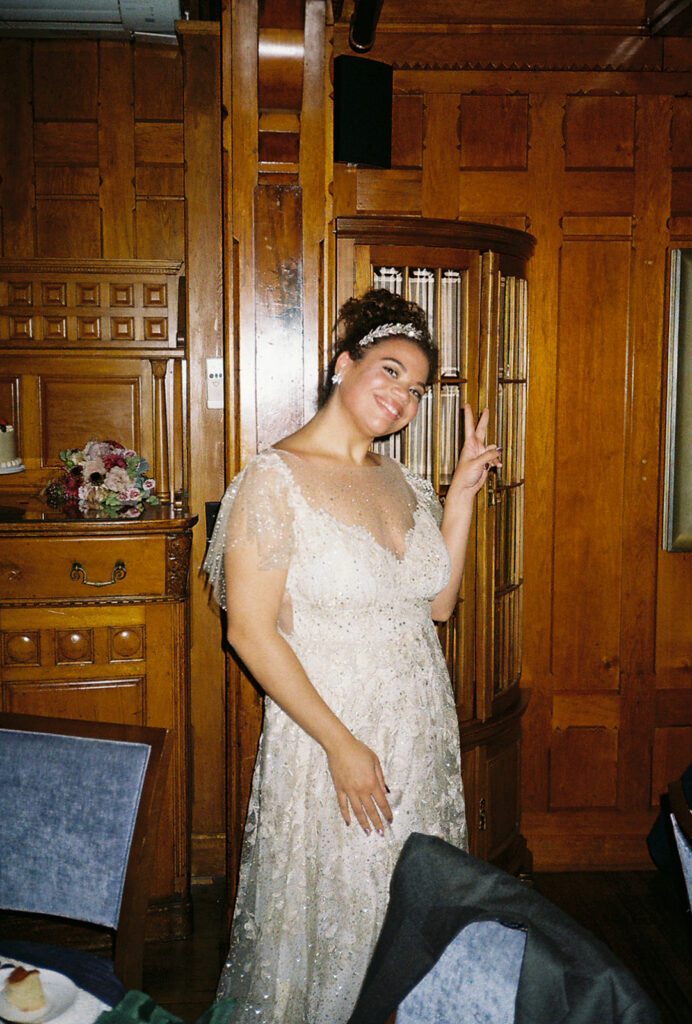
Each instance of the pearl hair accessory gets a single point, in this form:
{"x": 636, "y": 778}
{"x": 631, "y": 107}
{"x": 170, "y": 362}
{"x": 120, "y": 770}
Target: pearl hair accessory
{"x": 389, "y": 330}
{"x": 337, "y": 378}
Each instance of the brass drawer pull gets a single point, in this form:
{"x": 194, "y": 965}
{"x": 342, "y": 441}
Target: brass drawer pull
{"x": 78, "y": 572}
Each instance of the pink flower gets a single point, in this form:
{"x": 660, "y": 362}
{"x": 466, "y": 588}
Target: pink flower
{"x": 149, "y": 485}
{"x": 132, "y": 512}
{"x": 134, "y": 494}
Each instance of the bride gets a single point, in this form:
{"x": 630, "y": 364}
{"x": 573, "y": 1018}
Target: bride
{"x": 333, "y": 563}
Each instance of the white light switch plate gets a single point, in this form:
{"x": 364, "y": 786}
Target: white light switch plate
{"x": 214, "y": 383}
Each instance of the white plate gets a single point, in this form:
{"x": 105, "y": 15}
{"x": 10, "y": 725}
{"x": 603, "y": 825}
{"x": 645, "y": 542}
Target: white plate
{"x": 60, "y": 994}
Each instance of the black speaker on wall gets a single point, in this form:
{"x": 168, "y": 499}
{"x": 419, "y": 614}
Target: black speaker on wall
{"x": 362, "y": 111}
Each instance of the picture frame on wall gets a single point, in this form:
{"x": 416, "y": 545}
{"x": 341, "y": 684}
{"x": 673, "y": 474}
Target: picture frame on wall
{"x": 677, "y": 484}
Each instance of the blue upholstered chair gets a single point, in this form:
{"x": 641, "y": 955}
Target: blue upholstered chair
{"x": 475, "y": 981}
{"x": 79, "y": 805}
{"x": 463, "y": 941}
{"x": 681, "y": 819}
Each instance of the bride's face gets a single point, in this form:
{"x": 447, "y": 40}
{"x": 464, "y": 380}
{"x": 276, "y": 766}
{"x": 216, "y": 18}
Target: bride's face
{"x": 382, "y": 391}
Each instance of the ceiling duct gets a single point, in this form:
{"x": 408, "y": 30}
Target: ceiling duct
{"x": 152, "y": 20}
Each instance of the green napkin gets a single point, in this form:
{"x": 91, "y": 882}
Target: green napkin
{"x": 139, "y": 1008}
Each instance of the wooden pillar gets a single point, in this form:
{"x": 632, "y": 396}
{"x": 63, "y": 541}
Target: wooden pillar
{"x": 277, "y": 174}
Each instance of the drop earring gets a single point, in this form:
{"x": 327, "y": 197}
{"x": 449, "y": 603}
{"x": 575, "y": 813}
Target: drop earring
{"x": 337, "y": 378}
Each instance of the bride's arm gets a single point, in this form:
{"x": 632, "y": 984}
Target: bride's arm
{"x": 253, "y": 600}
{"x": 470, "y": 474}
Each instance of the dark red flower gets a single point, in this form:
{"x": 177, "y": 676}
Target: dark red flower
{"x": 115, "y": 460}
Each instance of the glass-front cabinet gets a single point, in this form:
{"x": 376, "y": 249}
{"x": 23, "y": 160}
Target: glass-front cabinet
{"x": 471, "y": 281}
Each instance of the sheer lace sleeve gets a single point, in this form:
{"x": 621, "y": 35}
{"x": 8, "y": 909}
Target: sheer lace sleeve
{"x": 425, "y": 495}
{"x": 256, "y": 506}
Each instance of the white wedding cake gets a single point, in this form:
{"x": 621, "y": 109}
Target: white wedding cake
{"x": 8, "y": 449}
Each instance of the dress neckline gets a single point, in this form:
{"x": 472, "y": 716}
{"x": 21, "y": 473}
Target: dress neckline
{"x": 320, "y": 460}
{"x": 357, "y": 528}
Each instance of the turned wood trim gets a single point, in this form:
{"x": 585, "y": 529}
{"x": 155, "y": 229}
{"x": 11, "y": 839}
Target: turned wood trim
{"x": 161, "y": 468}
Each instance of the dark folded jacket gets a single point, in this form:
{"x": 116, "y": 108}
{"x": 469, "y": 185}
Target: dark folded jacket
{"x": 567, "y": 976}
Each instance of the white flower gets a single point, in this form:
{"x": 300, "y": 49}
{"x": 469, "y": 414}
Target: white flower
{"x": 117, "y": 479}
{"x": 149, "y": 485}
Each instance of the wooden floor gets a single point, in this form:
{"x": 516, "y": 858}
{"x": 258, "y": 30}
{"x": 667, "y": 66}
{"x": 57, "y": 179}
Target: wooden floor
{"x": 638, "y": 914}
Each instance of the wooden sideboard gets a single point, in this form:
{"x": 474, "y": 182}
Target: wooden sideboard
{"x": 94, "y": 626}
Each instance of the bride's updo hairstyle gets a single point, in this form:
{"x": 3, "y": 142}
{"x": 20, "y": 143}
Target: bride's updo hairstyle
{"x": 357, "y": 330}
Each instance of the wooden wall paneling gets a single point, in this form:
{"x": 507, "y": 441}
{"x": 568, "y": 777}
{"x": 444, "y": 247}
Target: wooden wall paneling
{"x": 494, "y": 132}
{"x": 599, "y": 131}
{"x": 116, "y": 149}
{"x": 160, "y": 229}
{"x": 65, "y": 76}
{"x": 66, "y": 180}
{"x": 240, "y": 76}
{"x": 641, "y": 483}
{"x": 681, "y": 133}
{"x": 160, "y": 180}
{"x": 345, "y": 190}
{"x": 239, "y": 71}
{"x": 315, "y": 175}
{"x": 440, "y": 156}
{"x": 487, "y": 196}
{"x": 16, "y": 148}
{"x": 671, "y": 756}
{"x": 68, "y": 226}
{"x": 583, "y": 767}
{"x": 158, "y": 71}
{"x": 591, "y": 421}
{"x": 407, "y": 131}
{"x": 673, "y": 647}
{"x": 203, "y": 189}
{"x": 158, "y": 152}
{"x": 545, "y": 184}
{"x": 158, "y": 143}
{"x": 389, "y": 191}
{"x": 66, "y": 142}
{"x": 80, "y": 401}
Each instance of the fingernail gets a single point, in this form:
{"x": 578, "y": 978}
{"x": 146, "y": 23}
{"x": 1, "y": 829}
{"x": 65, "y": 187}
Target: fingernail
{"x": 387, "y": 789}
{"x": 380, "y": 832}
{"x": 367, "y": 831}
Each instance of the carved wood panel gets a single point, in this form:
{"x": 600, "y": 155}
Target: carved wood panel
{"x": 67, "y": 305}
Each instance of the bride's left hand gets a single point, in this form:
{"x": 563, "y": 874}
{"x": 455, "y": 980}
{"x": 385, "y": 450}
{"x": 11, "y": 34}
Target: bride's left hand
{"x": 476, "y": 458}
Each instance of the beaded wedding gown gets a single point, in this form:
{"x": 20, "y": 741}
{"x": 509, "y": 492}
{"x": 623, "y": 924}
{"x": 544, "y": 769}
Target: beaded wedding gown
{"x": 364, "y": 557}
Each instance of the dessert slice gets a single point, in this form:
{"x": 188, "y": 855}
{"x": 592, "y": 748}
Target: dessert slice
{"x": 24, "y": 990}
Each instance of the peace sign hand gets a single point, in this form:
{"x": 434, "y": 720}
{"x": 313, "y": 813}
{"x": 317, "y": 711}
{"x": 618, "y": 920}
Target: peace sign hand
{"x": 476, "y": 458}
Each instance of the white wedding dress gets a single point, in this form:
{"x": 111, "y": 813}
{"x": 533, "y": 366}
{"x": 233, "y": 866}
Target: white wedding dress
{"x": 364, "y": 557}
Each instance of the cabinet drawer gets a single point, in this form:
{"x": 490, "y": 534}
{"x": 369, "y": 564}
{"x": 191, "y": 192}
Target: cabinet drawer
{"x": 43, "y": 568}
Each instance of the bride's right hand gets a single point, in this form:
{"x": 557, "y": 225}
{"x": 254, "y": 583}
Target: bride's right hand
{"x": 359, "y": 782}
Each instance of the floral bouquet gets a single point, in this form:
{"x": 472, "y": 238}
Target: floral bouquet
{"x": 103, "y": 477}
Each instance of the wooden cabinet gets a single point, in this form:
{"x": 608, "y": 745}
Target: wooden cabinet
{"x": 94, "y": 611}
{"x": 94, "y": 626}
{"x": 471, "y": 280}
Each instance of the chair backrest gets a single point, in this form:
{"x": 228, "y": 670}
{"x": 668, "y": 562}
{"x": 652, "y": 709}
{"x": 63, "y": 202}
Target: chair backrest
{"x": 80, "y": 804}
{"x": 681, "y": 817}
{"x": 475, "y": 981}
